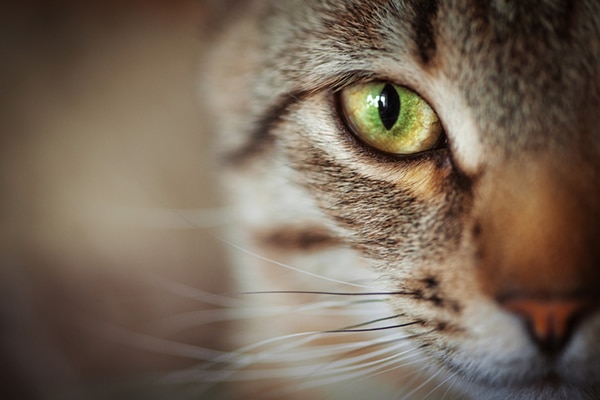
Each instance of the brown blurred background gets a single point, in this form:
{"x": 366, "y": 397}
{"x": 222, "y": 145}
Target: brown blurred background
{"x": 107, "y": 201}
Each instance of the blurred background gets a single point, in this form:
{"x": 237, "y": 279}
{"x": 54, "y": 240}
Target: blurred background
{"x": 107, "y": 201}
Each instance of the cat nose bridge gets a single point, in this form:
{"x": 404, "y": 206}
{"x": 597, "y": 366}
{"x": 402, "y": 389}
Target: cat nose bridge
{"x": 538, "y": 239}
{"x": 539, "y": 233}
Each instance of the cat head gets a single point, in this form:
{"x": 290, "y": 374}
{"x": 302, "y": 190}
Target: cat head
{"x": 492, "y": 230}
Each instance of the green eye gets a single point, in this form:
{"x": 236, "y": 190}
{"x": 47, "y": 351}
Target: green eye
{"x": 390, "y": 118}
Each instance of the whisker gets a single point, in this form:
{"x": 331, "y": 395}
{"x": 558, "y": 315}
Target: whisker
{"x": 152, "y": 343}
{"x": 345, "y": 376}
{"x": 182, "y": 321}
{"x": 374, "y": 329}
{"x": 308, "y": 370}
{"x": 345, "y": 361}
{"x": 185, "y": 291}
{"x": 442, "y": 383}
{"x": 241, "y": 358}
{"x": 295, "y": 372}
{"x": 359, "y": 371}
{"x": 322, "y": 351}
{"x": 289, "y": 267}
{"x": 197, "y": 318}
{"x": 270, "y": 359}
{"x": 247, "y": 359}
{"x": 331, "y": 304}
{"x": 173, "y": 218}
{"x": 374, "y": 321}
{"x": 345, "y": 349}
{"x": 422, "y": 385}
{"x": 450, "y": 386}
{"x": 266, "y": 356}
{"x": 190, "y": 375}
{"x": 206, "y": 217}
{"x": 417, "y": 358}
{"x": 402, "y": 293}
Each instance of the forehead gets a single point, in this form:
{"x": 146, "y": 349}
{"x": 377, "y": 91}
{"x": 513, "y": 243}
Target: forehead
{"x": 524, "y": 68}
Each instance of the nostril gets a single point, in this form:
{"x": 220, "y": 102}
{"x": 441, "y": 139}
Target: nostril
{"x": 550, "y": 321}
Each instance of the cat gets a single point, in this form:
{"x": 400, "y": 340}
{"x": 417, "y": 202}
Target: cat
{"x": 416, "y": 192}
{"x": 410, "y": 186}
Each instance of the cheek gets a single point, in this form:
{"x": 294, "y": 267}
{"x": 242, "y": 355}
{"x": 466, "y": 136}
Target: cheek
{"x": 397, "y": 223}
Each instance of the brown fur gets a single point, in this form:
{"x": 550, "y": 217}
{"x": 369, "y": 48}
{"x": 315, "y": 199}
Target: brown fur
{"x": 508, "y": 210}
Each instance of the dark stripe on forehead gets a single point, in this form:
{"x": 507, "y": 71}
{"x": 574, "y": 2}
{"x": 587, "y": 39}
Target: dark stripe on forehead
{"x": 423, "y": 25}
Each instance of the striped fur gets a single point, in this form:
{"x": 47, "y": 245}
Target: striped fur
{"x": 510, "y": 207}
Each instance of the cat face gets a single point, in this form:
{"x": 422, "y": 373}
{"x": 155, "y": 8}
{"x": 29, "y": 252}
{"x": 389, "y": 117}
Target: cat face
{"x": 485, "y": 240}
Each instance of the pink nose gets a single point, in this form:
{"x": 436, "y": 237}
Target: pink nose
{"x": 550, "y": 322}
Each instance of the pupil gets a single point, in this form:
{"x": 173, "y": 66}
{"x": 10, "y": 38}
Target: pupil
{"x": 389, "y": 106}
